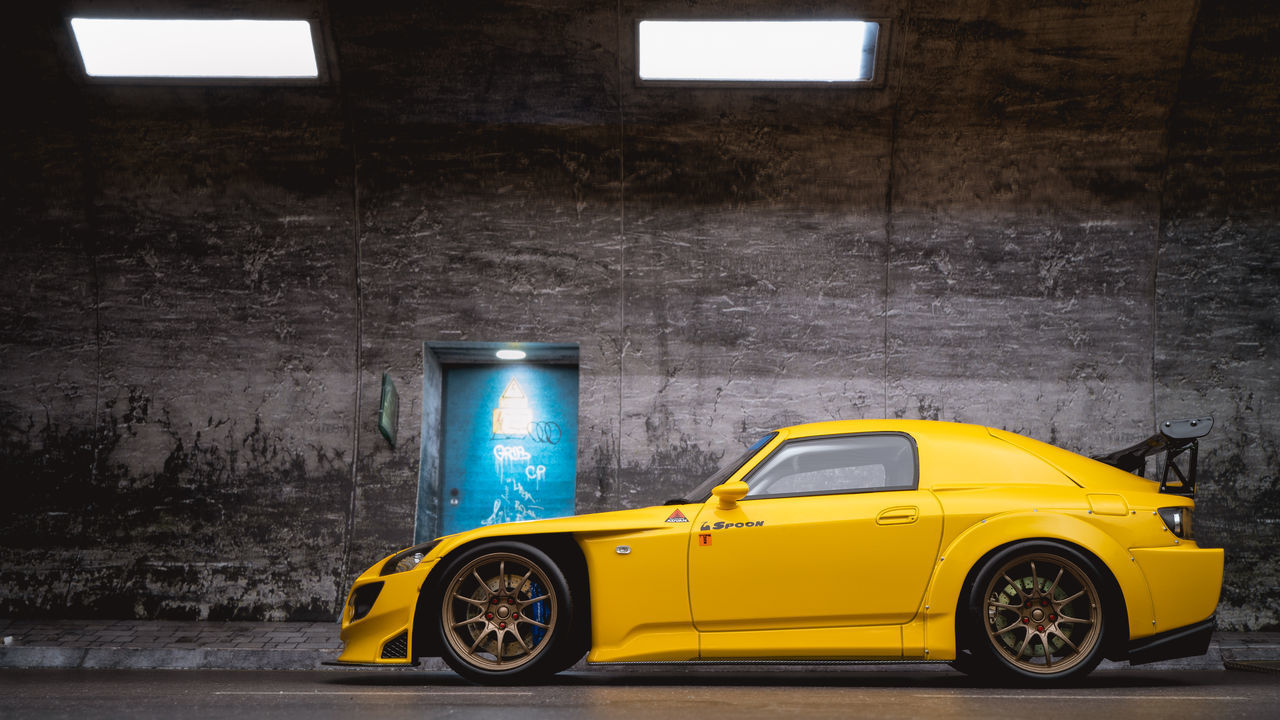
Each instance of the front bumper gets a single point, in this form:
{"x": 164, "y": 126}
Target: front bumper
{"x": 1189, "y": 641}
{"x": 384, "y": 635}
{"x": 345, "y": 663}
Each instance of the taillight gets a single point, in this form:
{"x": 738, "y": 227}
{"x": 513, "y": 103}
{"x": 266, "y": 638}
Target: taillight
{"x": 1178, "y": 520}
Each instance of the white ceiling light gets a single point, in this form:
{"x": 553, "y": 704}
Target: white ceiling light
{"x": 112, "y": 47}
{"x": 510, "y": 354}
{"x": 831, "y": 51}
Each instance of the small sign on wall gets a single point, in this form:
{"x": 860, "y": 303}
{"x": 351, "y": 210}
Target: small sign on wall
{"x": 389, "y": 410}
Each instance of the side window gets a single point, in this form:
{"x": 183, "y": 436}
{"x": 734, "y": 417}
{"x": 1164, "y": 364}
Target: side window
{"x": 850, "y": 463}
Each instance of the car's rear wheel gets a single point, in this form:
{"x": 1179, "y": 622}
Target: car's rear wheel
{"x": 1036, "y": 614}
{"x": 505, "y": 614}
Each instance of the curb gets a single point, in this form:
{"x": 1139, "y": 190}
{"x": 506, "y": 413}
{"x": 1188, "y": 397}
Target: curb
{"x": 1263, "y": 666}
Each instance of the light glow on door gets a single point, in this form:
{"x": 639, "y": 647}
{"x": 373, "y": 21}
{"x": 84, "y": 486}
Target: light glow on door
{"x": 512, "y": 416}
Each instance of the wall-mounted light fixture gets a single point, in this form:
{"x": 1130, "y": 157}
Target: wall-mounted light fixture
{"x": 389, "y": 410}
{"x": 195, "y": 49}
{"x": 758, "y": 51}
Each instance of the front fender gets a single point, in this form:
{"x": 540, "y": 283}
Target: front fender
{"x": 968, "y": 549}
{"x": 618, "y": 521}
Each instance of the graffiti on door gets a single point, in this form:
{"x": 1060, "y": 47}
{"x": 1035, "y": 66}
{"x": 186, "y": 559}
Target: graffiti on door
{"x": 510, "y": 444}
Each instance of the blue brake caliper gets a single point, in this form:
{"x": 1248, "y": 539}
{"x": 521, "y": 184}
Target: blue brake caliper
{"x": 538, "y": 612}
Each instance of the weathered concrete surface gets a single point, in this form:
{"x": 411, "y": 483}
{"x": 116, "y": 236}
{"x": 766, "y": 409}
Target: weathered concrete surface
{"x": 1022, "y": 246}
{"x": 179, "y": 348}
{"x": 730, "y": 335}
{"x": 1054, "y": 217}
{"x": 490, "y": 211}
{"x": 1217, "y": 342}
{"x": 754, "y": 261}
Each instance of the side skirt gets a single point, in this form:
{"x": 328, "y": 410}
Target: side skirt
{"x": 759, "y": 661}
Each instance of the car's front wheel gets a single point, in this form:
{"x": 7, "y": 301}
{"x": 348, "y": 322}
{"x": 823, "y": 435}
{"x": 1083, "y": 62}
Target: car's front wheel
{"x": 1036, "y": 614}
{"x": 505, "y": 614}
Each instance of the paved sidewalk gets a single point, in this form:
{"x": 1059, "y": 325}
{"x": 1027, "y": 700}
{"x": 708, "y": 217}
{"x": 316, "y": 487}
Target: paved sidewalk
{"x": 169, "y": 644}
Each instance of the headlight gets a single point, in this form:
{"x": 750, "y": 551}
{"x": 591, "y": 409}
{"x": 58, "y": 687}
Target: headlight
{"x": 1178, "y": 520}
{"x": 408, "y": 559}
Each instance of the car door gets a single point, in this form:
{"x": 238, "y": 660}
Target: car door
{"x": 833, "y": 532}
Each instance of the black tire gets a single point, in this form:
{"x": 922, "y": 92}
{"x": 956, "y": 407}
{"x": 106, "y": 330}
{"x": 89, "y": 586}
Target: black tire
{"x": 505, "y": 614}
{"x": 1036, "y": 613}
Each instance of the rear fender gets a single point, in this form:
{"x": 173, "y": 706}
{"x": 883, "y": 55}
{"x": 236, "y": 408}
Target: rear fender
{"x": 968, "y": 550}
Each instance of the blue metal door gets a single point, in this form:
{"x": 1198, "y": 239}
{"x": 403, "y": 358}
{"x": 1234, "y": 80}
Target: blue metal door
{"x": 510, "y": 444}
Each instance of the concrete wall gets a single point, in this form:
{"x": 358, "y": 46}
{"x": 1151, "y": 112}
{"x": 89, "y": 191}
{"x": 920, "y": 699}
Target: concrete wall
{"x": 1217, "y": 334}
{"x": 1054, "y": 218}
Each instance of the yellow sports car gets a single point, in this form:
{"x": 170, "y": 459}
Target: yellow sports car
{"x": 861, "y": 540}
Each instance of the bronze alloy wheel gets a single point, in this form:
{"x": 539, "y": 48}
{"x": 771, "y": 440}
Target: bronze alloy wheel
{"x": 499, "y": 612}
{"x": 1042, "y": 614}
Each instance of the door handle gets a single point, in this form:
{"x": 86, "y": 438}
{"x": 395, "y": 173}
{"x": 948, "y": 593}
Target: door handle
{"x": 903, "y": 515}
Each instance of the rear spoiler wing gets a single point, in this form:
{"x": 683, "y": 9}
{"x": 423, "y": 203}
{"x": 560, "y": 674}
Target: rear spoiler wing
{"x": 1174, "y": 438}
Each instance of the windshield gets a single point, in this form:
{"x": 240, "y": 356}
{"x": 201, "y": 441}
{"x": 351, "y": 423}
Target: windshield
{"x": 703, "y": 491}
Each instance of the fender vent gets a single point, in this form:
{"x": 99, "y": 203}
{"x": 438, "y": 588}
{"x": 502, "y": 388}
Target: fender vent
{"x": 397, "y": 648}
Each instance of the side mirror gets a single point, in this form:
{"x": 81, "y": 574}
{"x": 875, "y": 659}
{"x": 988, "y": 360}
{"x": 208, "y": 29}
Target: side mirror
{"x": 730, "y": 493}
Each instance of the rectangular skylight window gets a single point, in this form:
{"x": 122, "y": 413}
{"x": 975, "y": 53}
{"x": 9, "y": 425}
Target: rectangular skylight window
{"x": 806, "y": 51}
{"x": 129, "y": 48}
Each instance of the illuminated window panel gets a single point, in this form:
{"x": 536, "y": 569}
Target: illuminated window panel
{"x": 134, "y": 48}
{"x": 801, "y": 51}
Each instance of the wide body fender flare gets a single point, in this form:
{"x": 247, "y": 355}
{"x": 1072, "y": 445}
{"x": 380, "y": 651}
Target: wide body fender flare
{"x": 966, "y": 552}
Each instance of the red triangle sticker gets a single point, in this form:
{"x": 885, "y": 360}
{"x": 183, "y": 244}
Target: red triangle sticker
{"x": 677, "y": 516}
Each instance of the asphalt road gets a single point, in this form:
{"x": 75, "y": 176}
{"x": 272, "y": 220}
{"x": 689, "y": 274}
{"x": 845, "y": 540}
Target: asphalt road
{"x": 313, "y": 695}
